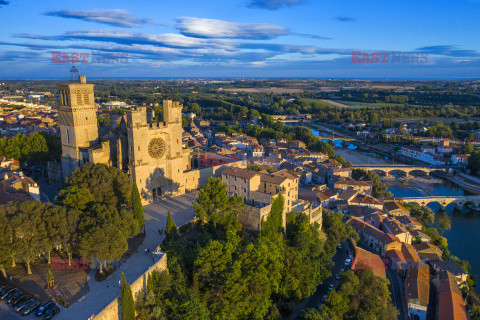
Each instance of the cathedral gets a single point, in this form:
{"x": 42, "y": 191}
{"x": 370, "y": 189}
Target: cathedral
{"x": 149, "y": 151}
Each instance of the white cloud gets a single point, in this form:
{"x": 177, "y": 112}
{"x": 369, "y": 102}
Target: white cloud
{"x": 213, "y": 28}
{"x": 115, "y": 17}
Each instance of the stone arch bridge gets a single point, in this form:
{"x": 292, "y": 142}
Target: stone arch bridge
{"x": 407, "y": 169}
{"x": 458, "y": 201}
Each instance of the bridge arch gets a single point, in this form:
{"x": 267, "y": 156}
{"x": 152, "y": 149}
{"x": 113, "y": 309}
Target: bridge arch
{"x": 419, "y": 173}
{"x": 380, "y": 172}
{"x": 398, "y": 173}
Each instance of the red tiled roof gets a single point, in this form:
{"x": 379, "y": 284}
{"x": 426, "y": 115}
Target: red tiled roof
{"x": 367, "y": 260}
{"x": 450, "y": 302}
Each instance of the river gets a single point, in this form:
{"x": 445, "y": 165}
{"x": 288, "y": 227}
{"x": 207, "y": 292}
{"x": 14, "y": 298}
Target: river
{"x": 464, "y": 236}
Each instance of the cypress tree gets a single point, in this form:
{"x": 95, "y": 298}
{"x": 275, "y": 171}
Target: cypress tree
{"x": 126, "y": 300}
{"x": 171, "y": 228}
{"x": 272, "y": 227}
{"x": 137, "y": 207}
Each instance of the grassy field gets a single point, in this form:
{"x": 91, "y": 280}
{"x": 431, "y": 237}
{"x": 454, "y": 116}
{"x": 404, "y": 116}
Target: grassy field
{"x": 355, "y": 104}
{"x": 358, "y": 104}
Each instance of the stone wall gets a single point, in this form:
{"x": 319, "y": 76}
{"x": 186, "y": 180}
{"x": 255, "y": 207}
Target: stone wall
{"x": 196, "y": 179}
{"x": 251, "y": 217}
{"x": 113, "y": 311}
{"x": 315, "y": 215}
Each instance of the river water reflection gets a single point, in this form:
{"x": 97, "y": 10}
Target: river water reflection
{"x": 464, "y": 237}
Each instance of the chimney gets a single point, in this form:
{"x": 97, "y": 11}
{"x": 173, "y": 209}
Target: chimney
{"x": 82, "y": 79}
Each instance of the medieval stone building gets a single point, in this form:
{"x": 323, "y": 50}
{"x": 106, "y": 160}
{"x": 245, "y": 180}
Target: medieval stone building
{"x": 150, "y": 152}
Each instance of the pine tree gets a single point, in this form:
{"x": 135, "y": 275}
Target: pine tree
{"x": 137, "y": 207}
{"x": 126, "y": 300}
{"x": 272, "y": 227}
{"x": 171, "y": 228}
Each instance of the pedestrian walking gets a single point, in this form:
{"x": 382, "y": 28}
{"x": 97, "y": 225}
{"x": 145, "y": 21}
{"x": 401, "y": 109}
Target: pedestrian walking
{"x": 148, "y": 250}
{"x": 145, "y": 250}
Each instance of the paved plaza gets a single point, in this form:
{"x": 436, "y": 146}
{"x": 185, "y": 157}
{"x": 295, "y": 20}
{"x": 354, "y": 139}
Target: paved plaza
{"x": 102, "y": 293}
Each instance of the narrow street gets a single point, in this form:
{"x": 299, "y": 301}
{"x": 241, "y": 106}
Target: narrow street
{"x": 315, "y": 300}
{"x": 396, "y": 290}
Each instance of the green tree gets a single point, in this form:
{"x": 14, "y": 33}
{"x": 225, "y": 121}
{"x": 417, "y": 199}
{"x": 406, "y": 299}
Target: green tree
{"x": 108, "y": 185}
{"x": 137, "y": 207}
{"x": 362, "y": 295}
{"x": 104, "y": 232}
{"x": 474, "y": 162}
{"x": 425, "y": 215}
{"x": 6, "y": 235}
{"x": 443, "y": 223}
{"x": 467, "y": 148}
{"x": 186, "y": 120}
{"x": 50, "y": 278}
{"x": 126, "y": 300}
{"x": 29, "y": 230}
{"x": 171, "y": 231}
{"x": 214, "y": 204}
{"x": 272, "y": 227}
{"x": 75, "y": 198}
{"x": 68, "y": 231}
{"x": 103, "y": 244}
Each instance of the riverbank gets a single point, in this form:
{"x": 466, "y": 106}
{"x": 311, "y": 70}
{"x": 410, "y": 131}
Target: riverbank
{"x": 464, "y": 182}
{"x": 359, "y": 157}
{"x": 419, "y": 186}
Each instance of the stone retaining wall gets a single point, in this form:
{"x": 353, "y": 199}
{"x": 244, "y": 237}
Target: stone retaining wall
{"x": 112, "y": 311}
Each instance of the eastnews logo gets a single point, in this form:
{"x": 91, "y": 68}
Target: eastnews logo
{"x": 92, "y": 57}
{"x": 62, "y": 264}
{"x": 389, "y": 57}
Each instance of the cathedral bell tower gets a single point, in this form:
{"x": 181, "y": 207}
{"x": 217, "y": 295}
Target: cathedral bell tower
{"x": 77, "y": 118}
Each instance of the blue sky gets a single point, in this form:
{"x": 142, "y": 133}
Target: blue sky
{"x": 241, "y": 38}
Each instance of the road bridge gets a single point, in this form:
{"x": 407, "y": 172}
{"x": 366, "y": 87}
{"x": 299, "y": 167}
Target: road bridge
{"x": 338, "y": 138}
{"x": 458, "y": 201}
{"x": 388, "y": 169}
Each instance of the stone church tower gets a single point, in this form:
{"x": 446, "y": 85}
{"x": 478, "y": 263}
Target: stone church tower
{"x": 150, "y": 152}
{"x": 157, "y": 159}
{"x": 77, "y": 118}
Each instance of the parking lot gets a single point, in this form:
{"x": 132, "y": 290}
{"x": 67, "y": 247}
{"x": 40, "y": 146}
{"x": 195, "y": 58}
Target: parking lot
{"x": 8, "y": 304}
{"x": 6, "y": 312}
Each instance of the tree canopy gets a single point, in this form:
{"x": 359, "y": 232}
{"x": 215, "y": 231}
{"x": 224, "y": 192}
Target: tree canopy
{"x": 361, "y": 296}
{"x": 233, "y": 274}
{"x": 108, "y": 185}
{"x": 126, "y": 300}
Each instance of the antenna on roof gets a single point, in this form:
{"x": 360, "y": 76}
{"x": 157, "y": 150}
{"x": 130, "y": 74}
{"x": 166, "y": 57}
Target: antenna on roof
{"x": 73, "y": 74}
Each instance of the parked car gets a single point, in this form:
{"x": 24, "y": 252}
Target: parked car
{"x": 10, "y": 294}
{"x": 7, "y": 292}
{"x": 337, "y": 277}
{"x": 14, "y": 296}
{"x": 44, "y": 307}
{"x": 30, "y": 307}
{"x": 339, "y": 246}
{"x": 50, "y": 313}
{"x": 21, "y": 305}
{"x": 4, "y": 289}
{"x": 15, "y": 302}
{"x": 18, "y": 300}
{"x": 331, "y": 286}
